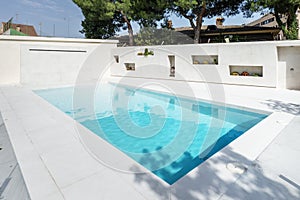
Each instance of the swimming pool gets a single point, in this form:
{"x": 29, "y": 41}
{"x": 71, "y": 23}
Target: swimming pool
{"x": 168, "y": 135}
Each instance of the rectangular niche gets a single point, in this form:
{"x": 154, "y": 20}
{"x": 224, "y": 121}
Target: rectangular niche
{"x": 130, "y": 66}
{"x": 254, "y": 71}
{"x": 205, "y": 59}
{"x": 117, "y": 58}
{"x": 172, "y": 65}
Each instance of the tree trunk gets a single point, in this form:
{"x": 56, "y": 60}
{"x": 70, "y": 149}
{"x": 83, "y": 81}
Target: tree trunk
{"x": 287, "y": 27}
{"x": 130, "y": 34}
{"x": 197, "y": 29}
{"x": 129, "y": 27}
{"x": 291, "y": 17}
{"x": 198, "y": 26}
{"x": 278, "y": 19}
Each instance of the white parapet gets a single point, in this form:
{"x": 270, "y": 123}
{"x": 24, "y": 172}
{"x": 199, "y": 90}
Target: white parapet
{"x": 46, "y": 62}
{"x": 248, "y": 63}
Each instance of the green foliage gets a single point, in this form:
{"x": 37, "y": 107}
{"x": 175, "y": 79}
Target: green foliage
{"x": 103, "y": 18}
{"x": 292, "y": 32}
{"x": 96, "y": 29}
{"x": 196, "y": 10}
{"x": 278, "y": 7}
{"x": 191, "y": 8}
{"x": 148, "y": 36}
{"x": 147, "y": 52}
{"x": 99, "y": 19}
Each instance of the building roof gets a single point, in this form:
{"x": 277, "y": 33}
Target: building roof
{"x": 217, "y": 33}
{"x": 212, "y": 29}
{"x": 12, "y": 31}
{"x": 249, "y": 33}
{"x": 26, "y": 29}
{"x": 268, "y": 20}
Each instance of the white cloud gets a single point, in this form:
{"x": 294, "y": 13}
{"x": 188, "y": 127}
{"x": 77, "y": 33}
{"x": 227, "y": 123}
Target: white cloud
{"x": 52, "y": 5}
{"x": 43, "y": 4}
{"x": 33, "y": 4}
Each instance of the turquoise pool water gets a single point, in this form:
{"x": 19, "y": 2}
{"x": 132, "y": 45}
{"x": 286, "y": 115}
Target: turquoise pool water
{"x": 166, "y": 134}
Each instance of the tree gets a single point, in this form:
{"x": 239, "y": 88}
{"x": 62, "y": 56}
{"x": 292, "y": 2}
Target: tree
{"x": 153, "y": 36}
{"x": 119, "y": 14}
{"x": 95, "y": 28}
{"x": 196, "y": 10}
{"x": 288, "y": 8}
{"x": 99, "y": 19}
{"x": 162, "y": 36}
{"x": 144, "y": 12}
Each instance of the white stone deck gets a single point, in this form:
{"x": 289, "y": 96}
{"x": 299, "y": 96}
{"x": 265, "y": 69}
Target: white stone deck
{"x": 56, "y": 164}
{"x": 12, "y": 186}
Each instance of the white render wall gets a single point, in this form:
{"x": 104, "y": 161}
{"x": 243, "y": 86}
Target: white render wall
{"x": 290, "y": 57}
{"x": 9, "y": 62}
{"x": 48, "y": 62}
{"x": 250, "y": 54}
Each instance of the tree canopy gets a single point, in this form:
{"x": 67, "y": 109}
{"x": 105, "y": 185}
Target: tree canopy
{"x": 148, "y": 36}
{"x": 286, "y": 8}
{"x": 103, "y": 18}
{"x": 196, "y": 10}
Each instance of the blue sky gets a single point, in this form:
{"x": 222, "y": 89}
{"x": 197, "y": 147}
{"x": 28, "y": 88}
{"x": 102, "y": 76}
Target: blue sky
{"x": 60, "y": 14}
{"x": 62, "y": 18}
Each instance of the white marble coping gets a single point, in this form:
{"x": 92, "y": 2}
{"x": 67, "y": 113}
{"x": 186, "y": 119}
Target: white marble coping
{"x": 55, "y": 39}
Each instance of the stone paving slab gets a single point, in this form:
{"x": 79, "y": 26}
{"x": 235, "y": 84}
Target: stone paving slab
{"x": 56, "y": 173}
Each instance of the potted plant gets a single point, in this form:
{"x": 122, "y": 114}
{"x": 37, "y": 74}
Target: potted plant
{"x": 146, "y": 53}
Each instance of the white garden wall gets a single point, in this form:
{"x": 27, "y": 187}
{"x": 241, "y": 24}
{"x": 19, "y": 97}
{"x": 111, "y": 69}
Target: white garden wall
{"x": 9, "y": 62}
{"x": 290, "y": 57}
{"x": 47, "y": 62}
{"x": 259, "y": 59}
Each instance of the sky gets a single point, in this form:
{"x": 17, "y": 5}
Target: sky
{"x": 62, "y": 18}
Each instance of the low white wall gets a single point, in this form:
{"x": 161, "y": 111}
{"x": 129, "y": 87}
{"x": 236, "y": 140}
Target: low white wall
{"x": 47, "y": 62}
{"x": 236, "y": 54}
{"x": 9, "y": 62}
{"x": 289, "y": 56}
